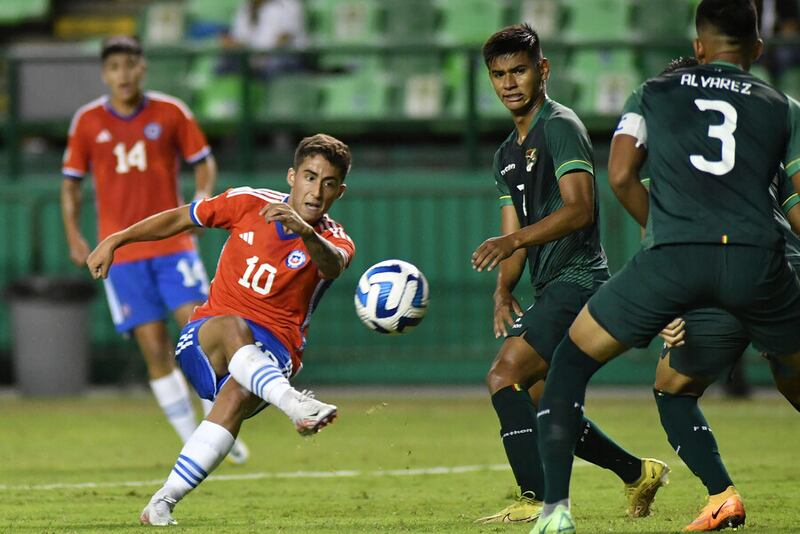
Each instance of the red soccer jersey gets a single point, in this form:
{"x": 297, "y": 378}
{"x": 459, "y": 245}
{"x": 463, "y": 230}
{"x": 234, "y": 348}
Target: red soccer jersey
{"x": 134, "y": 161}
{"x": 265, "y": 273}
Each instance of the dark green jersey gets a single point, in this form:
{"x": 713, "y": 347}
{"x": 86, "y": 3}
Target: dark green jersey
{"x": 527, "y": 176}
{"x": 715, "y": 137}
{"x": 785, "y": 198}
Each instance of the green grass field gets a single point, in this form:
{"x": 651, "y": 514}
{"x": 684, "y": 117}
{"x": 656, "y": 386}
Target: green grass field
{"x": 372, "y": 471}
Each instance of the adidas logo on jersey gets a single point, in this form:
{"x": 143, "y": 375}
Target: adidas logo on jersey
{"x": 247, "y": 237}
{"x": 103, "y": 137}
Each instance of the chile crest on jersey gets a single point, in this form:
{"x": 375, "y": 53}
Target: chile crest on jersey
{"x": 296, "y": 259}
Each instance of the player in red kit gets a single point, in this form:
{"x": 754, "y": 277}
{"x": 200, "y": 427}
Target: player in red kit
{"x": 241, "y": 347}
{"x": 131, "y": 142}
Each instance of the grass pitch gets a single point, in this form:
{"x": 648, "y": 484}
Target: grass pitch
{"x": 391, "y": 463}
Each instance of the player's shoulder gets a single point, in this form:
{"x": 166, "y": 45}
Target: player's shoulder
{"x": 508, "y": 142}
{"x": 168, "y": 103}
{"x": 256, "y": 195}
{"x": 86, "y": 111}
{"x": 557, "y": 117}
{"x": 328, "y": 225}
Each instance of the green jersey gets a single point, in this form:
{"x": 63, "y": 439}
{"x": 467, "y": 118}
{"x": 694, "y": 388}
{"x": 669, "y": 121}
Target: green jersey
{"x": 715, "y": 137}
{"x": 784, "y": 199}
{"x": 527, "y": 177}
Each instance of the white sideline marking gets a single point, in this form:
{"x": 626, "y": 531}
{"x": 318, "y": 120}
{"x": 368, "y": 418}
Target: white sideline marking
{"x": 423, "y": 471}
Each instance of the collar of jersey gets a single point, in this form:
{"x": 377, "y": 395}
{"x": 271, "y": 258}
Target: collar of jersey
{"x": 535, "y": 120}
{"x": 726, "y": 64}
{"x": 139, "y": 108}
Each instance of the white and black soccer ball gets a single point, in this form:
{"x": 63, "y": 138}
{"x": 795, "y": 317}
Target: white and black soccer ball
{"x": 392, "y": 297}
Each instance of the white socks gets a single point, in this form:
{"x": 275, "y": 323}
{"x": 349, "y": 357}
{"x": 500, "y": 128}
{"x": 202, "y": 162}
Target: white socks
{"x": 260, "y": 375}
{"x": 206, "y": 448}
{"x": 172, "y": 395}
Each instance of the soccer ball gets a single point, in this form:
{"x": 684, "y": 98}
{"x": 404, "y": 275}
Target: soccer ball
{"x": 392, "y": 297}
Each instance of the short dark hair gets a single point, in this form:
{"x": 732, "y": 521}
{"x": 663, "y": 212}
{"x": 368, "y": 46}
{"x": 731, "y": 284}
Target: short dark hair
{"x": 680, "y": 63}
{"x": 333, "y": 150}
{"x": 735, "y": 19}
{"x": 513, "y": 39}
{"x": 120, "y": 44}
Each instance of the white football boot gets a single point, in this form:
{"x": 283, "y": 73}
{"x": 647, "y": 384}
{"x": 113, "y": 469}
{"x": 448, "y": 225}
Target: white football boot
{"x": 308, "y": 414}
{"x": 158, "y": 511}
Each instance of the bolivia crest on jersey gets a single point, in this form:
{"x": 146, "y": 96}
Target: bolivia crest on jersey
{"x": 296, "y": 259}
{"x": 530, "y": 159}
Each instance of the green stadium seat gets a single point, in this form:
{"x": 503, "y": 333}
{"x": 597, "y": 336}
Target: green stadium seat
{"x": 169, "y": 75}
{"x": 604, "y": 78}
{"x": 18, "y": 11}
{"x": 598, "y": 19}
{"x": 422, "y": 95}
{"x": 289, "y": 96}
{"x": 363, "y": 95}
{"x": 655, "y": 60}
{"x": 162, "y": 24}
{"x": 470, "y": 21}
{"x": 337, "y": 22}
{"x": 410, "y": 21}
{"x": 664, "y": 19}
{"x": 213, "y": 11}
{"x": 546, "y": 16}
{"x": 455, "y": 75}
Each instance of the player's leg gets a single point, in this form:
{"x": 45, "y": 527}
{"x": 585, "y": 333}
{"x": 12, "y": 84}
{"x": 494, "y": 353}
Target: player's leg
{"x": 627, "y": 311}
{"x": 230, "y": 346}
{"x": 137, "y": 308}
{"x": 202, "y": 453}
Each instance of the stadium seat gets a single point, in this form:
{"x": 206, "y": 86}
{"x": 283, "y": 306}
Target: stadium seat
{"x": 657, "y": 18}
{"x": 455, "y": 75}
{"x": 546, "y": 16}
{"x": 336, "y": 22}
{"x": 208, "y": 18}
{"x": 18, "y": 11}
{"x": 363, "y": 95}
{"x": 470, "y": 21}
{"x": 288, "y": 97}
{"x": 162, "y": 24}
{"x": 655, "y": 60}
{"x": 604, "y": 78}
{"x": 410, "y": 21}
{"x": 598, "y": 19}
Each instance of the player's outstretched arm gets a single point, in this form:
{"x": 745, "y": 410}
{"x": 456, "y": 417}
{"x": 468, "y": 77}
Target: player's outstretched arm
{"x": 624, "y": 164}
{"x": 70, "y": 214}
{"x": 324, "y": 254}
{"x": 158, "y": 226}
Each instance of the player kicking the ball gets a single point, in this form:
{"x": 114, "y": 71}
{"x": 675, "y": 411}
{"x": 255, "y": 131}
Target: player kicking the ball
{"x": 282, "y": 253}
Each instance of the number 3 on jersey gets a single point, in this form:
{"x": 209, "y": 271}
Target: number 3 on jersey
{"x": 135, "y": 157}
{"x": 723, "y": 132}
{"x": 255, "y": 283}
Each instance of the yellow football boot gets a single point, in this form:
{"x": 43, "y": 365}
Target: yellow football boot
{"x": 641, "y": 493}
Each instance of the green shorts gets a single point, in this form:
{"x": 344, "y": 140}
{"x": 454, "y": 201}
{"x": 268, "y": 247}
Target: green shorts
{"x": 715, "y": 340}
{"x": 753, "y": 284}
{"x": 546, "y": 322}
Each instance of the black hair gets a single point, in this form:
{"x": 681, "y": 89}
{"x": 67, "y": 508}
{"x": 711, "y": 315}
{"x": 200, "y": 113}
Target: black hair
{"x": 680, "y": 63}
{"x": 333, "y": 150}
{"x": 735, "y": 19}
{"x": 513, "y": 39}
{"x": 120, "y": 44}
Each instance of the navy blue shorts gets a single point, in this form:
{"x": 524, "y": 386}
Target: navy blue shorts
{"x": 143, "y": 291}
{"x": 198, "y": 370}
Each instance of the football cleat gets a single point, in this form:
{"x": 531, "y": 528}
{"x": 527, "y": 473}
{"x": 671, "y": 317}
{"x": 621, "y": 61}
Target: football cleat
{"x": 310, "y": 415}
{"x": 641, "y": 493}
{"x": 239, "y": 453}
{"x": 524, "y": 509}
{"x": 158, "y": 511}
{"x": 558, "y": 522}
{"x": 723, "y": 510}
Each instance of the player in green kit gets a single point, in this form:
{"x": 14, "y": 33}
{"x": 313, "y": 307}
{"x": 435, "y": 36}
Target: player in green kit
{"x": 713, "y": 136}
{"x": 549, "y": 216}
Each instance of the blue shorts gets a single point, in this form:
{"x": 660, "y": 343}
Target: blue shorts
{"x": 142, "y": 291}
{"x": 198, "y": 370}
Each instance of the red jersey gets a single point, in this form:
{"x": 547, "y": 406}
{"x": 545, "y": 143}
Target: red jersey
{"x": 265, "y": 273}
{"x": 134, "y": 161}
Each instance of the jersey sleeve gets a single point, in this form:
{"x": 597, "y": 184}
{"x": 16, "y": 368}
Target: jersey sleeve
{"x": 787, "y": 196}
{"x": 75, "y": 164}
{"x": 191, "y": 140}
{"x": 221, "y": 211}
{"x": 792, "y": 156}
{"x": 569, "y": 144}
{"x": 504, "y": 195}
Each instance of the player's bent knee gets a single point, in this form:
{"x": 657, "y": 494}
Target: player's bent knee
{"x": 668, "y": 380}
{"x": 516, "y": 363}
